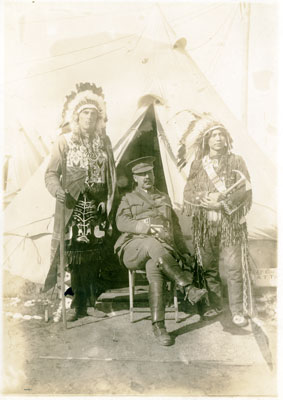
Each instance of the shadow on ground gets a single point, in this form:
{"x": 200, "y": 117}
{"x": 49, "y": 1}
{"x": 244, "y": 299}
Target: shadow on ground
{"x": 105, "y": 354}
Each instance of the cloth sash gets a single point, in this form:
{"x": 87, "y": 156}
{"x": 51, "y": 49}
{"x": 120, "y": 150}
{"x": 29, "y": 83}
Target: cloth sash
{"x": 211, "y": 173}
{"x": 207, "y": 164}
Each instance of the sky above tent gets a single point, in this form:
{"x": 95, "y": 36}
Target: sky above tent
{"x": 216, "y": 40}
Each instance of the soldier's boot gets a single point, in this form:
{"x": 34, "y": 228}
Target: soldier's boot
{"x": 194, "y": 294}
{"x": 157, "y": 308}
{"x": 170, "y": 268}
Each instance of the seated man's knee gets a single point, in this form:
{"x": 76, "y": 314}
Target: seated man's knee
{"x": 133, "y": 264}
{"x": 138, "y": 252}
{"x": 153, "y": 273}
{"x": 150, "y": 242}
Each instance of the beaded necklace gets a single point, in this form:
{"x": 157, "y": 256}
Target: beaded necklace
{"x": 96, "y": 155}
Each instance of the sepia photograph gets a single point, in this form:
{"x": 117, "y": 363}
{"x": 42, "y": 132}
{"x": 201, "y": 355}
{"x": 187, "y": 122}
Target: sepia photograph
{"x": 140, "y": 152}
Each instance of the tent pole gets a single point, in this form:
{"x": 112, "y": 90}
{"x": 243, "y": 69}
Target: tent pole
{"x": 6, "y": 171}
{"x": 35, "y": 151}
{"x": 245, "y": 88}
{"x": 62, "y": 244}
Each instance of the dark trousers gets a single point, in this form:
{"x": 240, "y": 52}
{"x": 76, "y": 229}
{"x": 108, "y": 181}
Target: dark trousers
{"x": 85, "y": 285}
{"x": 211, "y": 253}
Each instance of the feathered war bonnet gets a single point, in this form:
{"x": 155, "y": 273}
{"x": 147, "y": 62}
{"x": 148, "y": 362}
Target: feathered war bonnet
{"x": 194, "y": 140}
{"x": 87, "y": 95}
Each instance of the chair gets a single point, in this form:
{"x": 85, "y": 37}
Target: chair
{"x": 173, "y": 291}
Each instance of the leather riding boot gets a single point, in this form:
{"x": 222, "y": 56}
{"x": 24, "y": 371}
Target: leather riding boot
{"x": 193, "y": 294}
{"x": 157, "y": 308}
{"x": 172, "y": 270}
{"x": 161, "y": 334}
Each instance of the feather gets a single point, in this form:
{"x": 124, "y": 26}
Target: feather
{"x": 262, "y": 340}
{"x": 191, "y": 142}
{"x": 85, "y": 92}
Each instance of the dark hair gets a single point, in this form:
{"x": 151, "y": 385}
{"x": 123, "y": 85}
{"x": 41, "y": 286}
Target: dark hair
{"x": 204, "y": 145}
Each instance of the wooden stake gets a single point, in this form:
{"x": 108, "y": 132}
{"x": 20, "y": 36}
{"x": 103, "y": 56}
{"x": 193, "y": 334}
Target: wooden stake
{"x": 62, "y": 244}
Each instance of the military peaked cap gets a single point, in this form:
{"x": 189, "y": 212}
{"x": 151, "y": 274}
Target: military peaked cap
{"x": 141, "y": 165}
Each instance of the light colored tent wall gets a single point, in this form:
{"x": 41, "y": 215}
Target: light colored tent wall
{"x": 142, "y": 66}
{"x": 28, "y": 224}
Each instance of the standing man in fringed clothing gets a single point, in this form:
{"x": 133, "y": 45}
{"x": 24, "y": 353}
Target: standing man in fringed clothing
{"x": 84, "y": 154}
{"x": 218, "y": 196}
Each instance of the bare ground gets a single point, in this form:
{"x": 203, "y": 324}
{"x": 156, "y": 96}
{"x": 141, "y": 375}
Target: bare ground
{"x": 111, "y": 356}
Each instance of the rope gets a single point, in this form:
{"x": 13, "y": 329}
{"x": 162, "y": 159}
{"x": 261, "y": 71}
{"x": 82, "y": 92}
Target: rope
{"x": 78, "y": 50}
{"x": 18, "y": 245}
{"x": 30, "y": 223}
{"x": 248, "y": 304}
{"x": 220, "y": 49}
{"x": 39, "y": 259}
{"x": 40, "y": 21}
{"x": 64, "y": 67}
{"x": 216, "y": 32}
{"x": 196, "y": 15}
{"x": 132, "y": 52}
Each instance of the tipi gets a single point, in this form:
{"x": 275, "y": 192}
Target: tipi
{"x": 149, "y": 86}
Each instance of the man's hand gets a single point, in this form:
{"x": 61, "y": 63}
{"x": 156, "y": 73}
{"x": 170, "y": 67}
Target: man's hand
{"x": 60, "y": 195}
{"x": 210, "y": 203}
{"x": 101, "y": 208}
{"x": 215, "y": 196}
{"x": 159, "y": 231}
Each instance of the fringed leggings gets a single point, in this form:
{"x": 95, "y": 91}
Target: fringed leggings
{"x": 211, "y": 253}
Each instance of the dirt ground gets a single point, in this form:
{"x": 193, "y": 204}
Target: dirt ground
{"x": 105, "y": 354}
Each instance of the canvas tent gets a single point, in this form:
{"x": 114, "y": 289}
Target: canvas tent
{"x": 22, "y": 155}
{"x": 149, "y": 82}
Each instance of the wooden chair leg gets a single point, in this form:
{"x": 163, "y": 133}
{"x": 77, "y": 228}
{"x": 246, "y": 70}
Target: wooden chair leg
{"x": 131, "y": 293}
{"x": 176, "y": 303}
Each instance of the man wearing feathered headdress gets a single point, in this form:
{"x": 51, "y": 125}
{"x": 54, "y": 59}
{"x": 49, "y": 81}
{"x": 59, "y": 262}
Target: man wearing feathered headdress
{"x": 218, "y": 196}
{"x": 83, "y": 154}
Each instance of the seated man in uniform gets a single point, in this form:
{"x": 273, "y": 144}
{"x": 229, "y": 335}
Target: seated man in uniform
{"x": 152, "y": 239}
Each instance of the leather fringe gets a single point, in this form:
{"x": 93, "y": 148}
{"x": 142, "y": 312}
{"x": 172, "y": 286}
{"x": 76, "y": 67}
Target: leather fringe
{"x": 76, "y": 257}
{"x": 230, "y": 228}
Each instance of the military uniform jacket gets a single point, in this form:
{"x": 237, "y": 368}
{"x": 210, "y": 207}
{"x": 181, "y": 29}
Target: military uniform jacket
{"x": 140, "y": 211}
